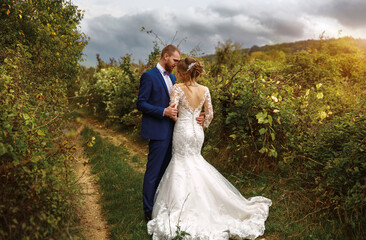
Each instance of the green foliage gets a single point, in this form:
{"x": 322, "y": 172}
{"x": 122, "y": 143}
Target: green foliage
{"x": 228, "y": 56}
{"x": 37, "y": 65}
{"x": 49, "y": 30}
{"x": 339, "y": 169}
{"x": 180, "y": 234}
{"x": 112, "y": 94}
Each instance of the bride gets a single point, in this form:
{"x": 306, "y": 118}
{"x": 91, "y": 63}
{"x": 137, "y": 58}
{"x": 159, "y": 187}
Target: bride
{"x": 193, "y": 198}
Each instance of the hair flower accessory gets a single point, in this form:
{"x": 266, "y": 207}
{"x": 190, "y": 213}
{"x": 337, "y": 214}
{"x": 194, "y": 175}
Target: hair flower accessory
{"x": 190, "y": 66}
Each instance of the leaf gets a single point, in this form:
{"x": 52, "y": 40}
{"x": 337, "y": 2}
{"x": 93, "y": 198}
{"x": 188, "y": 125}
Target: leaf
{"x": 233, "y": 136}
{"x": 263, "y": 150}
{"x": 40, "y": 132}
{"x": 262, "y": 131}
{"x": 279, "y": 120}
{"x": 273, "y": 136}
{"x": 261, "y": 117}
{"x": 2, "y": 149}
{"x": 26, "y": 116}
{"x": 270, "y": 120}
{"x": 273, "y": 153}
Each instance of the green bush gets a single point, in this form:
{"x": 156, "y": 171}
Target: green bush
{"x": 112, "y": 94}
{"x": 339, "y": 169}
{"x": 39, "y": 50}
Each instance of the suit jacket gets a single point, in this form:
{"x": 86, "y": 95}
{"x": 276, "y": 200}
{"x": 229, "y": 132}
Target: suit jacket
{"x": 153, "y": 98}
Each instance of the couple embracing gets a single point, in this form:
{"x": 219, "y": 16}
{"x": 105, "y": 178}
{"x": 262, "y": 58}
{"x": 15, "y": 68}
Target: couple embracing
{"x": 182, "y": 192}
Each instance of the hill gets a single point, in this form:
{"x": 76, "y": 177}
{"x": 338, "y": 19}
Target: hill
{"x": 289, "y": 47}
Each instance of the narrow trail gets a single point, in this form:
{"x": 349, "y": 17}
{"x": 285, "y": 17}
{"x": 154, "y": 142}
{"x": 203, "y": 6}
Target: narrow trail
{"x": 93, "y": 223}
{"x": 118, "y": 138}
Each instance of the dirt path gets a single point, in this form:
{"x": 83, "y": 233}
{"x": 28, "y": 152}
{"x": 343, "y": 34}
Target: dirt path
{"x": 117, "y": 138}
{"x": 92, "y": 221}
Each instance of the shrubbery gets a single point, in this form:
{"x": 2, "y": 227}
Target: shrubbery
{"x": 39, "y": 50}
{"x": 111, "y": 93}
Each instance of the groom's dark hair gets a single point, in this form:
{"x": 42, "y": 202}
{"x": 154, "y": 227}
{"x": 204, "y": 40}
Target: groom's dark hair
{"x": 170, "y": 49}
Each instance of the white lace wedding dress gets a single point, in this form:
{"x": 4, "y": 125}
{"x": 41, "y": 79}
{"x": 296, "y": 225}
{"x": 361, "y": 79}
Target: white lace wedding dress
{"x": 193, "y": 196}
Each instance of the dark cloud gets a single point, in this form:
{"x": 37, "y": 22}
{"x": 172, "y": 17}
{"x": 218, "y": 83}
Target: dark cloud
{"x": 116, "y": 36}
{"x": 350, "y": 13}
{"x": 272, "y": 19}
{"x": 284, "y": 27}
{"x": 225, "y": 11}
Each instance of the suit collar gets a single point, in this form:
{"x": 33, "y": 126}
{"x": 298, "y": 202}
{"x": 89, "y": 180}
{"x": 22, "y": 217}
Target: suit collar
{"x": 160, "y": 68}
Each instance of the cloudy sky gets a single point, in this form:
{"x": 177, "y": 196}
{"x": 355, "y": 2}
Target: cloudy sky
{"x": 114, "y": 26}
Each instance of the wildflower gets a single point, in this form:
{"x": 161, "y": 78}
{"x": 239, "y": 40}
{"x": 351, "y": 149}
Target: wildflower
{"x": 322, "y": 115}
{"x": 320, "y": 95}
{"x": 274, "y": 99}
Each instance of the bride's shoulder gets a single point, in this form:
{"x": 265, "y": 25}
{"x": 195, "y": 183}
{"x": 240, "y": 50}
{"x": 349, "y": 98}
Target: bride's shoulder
{"x": 178, "y": 86}
{"x": 203, "y": 88}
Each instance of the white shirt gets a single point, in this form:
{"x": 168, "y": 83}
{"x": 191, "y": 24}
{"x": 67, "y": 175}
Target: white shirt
{"x": 167, "y": 79}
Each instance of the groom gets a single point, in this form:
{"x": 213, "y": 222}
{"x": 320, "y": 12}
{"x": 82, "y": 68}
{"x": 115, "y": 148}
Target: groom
{"x": 153, "y": 101}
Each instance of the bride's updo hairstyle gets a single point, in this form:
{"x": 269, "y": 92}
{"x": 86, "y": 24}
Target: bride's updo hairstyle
{"x": 191, "y": 68}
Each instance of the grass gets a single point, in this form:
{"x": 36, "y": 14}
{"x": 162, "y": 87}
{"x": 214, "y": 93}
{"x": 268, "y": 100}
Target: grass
{"x": 293, "y": 214}
{"x": 121, "y": 186}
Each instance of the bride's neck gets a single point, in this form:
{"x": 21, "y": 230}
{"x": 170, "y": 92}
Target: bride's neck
{"x": 191, "y": 83}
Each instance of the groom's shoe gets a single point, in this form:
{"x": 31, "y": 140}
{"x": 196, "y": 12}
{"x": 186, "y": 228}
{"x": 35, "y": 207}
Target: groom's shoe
{"x": 148, "y": 216}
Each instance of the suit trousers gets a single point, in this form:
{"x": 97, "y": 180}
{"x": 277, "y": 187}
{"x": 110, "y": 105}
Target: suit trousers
{"x": 160, "y": 153}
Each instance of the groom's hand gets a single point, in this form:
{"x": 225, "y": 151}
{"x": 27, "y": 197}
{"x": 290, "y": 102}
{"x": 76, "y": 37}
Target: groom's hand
{"x": 171, "y": 111}
{"x": 201, "y": 118}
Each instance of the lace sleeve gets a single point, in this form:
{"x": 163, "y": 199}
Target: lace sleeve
{"x": 174, "y": 97}
{"x": 208, "y": 109}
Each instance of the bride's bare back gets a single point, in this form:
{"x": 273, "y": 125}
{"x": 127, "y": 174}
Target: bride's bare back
{"x": 193, "y": 98}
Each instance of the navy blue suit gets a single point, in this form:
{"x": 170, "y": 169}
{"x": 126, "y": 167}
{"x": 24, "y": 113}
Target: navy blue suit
{"x": 153, "y": 98}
